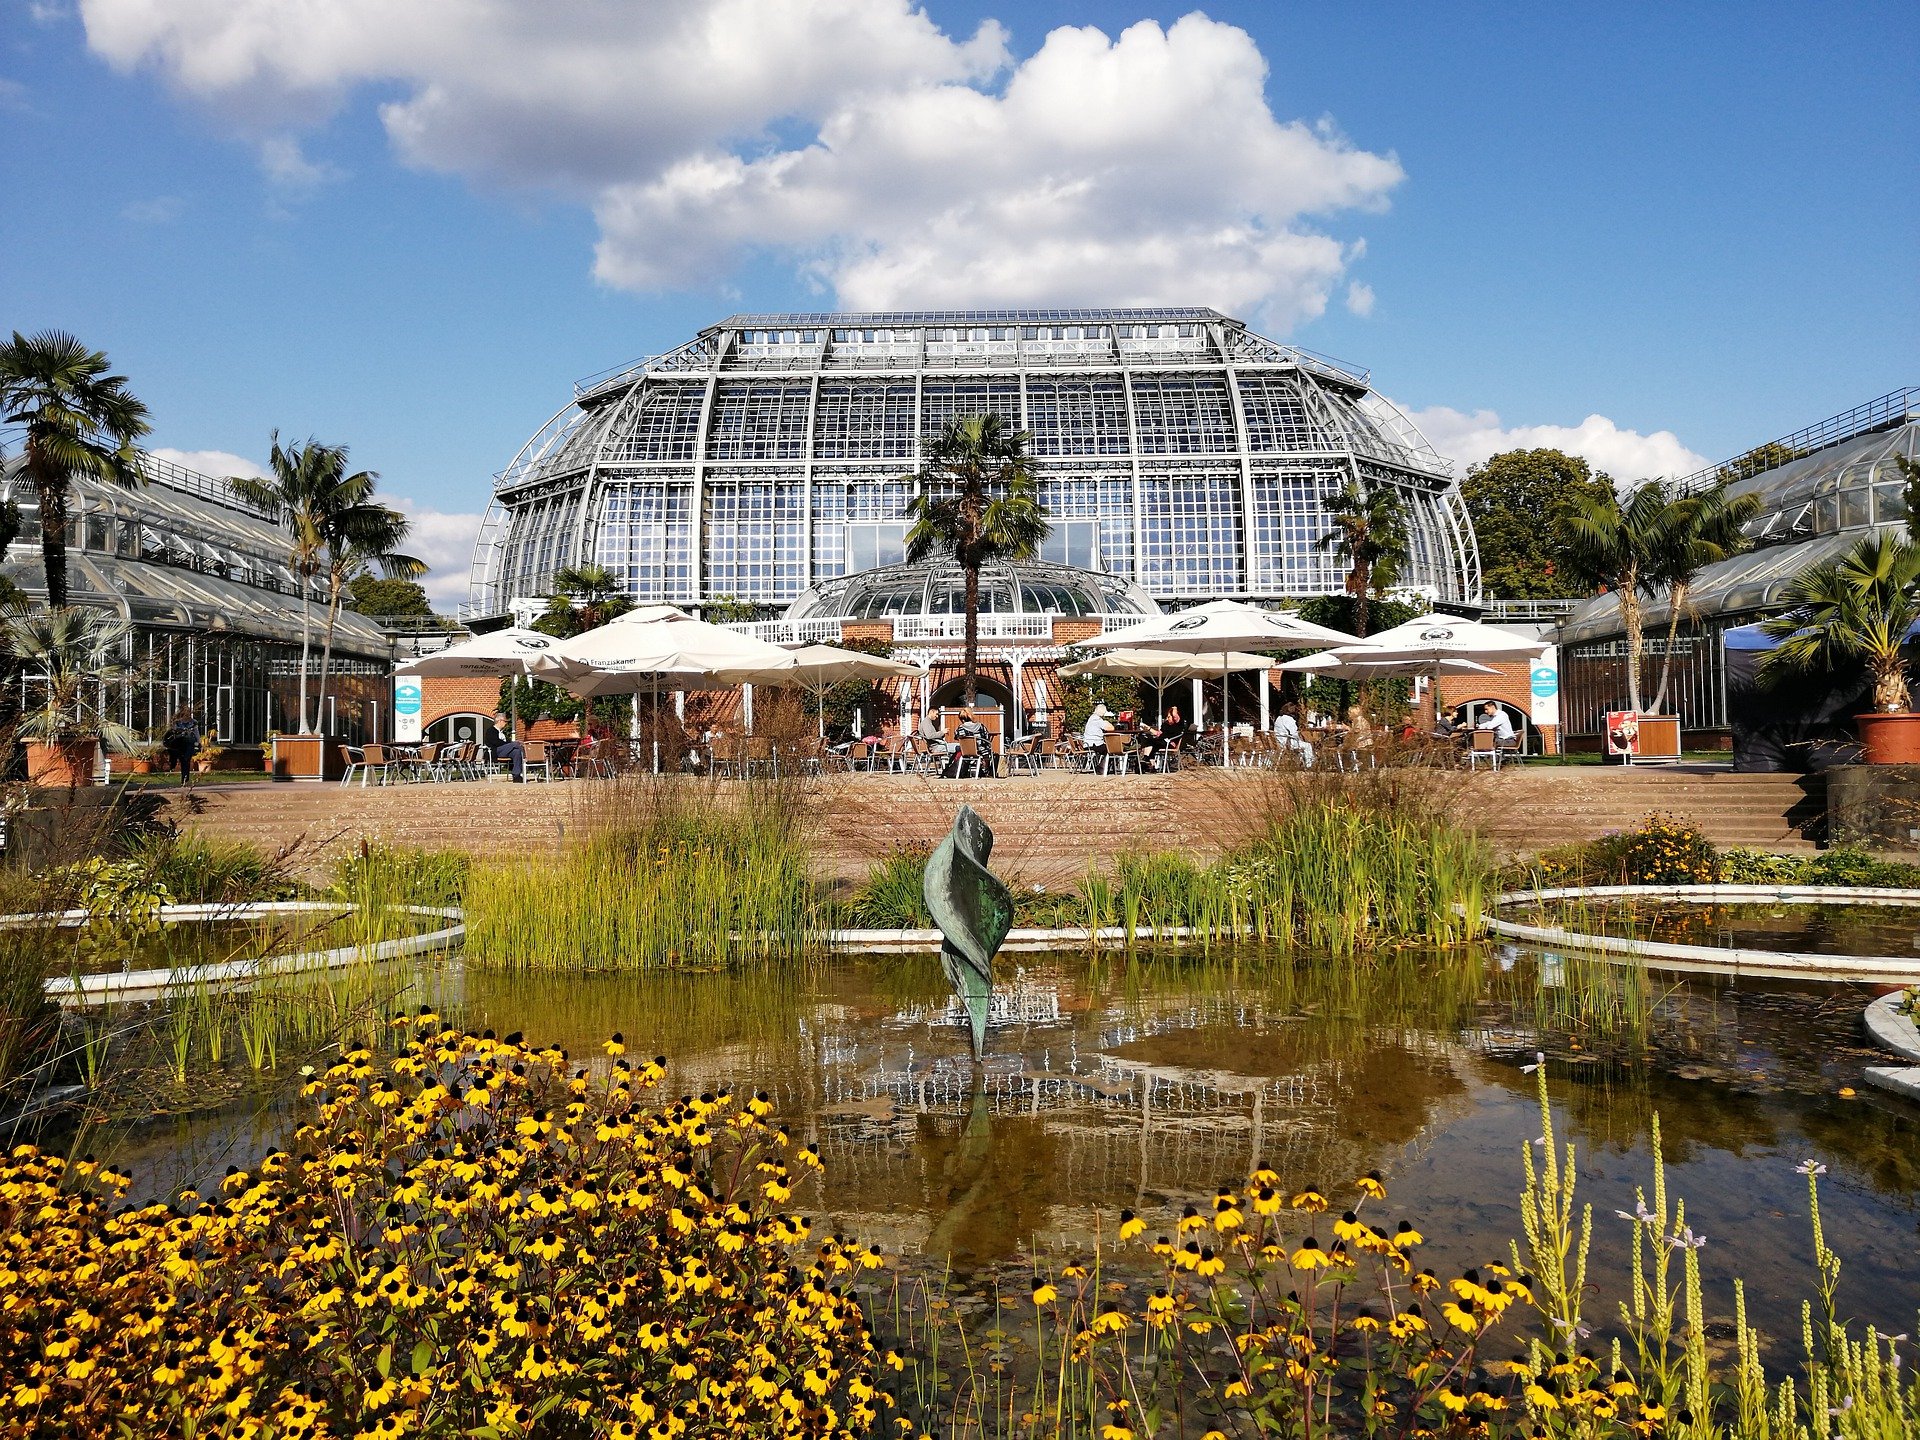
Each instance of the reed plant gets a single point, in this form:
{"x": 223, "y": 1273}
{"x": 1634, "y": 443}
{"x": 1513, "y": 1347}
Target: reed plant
{"x": 1262, "y": 1313}
{"x": 660, "y": 871}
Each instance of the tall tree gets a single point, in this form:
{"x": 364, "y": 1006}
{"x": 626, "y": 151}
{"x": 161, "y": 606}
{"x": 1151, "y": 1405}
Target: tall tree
{"x": 368, "y": 538}
{"x": 323, "y": 508}
{"x": 1627, "y": 549}
{"x": 978, "y": 502}
{"x": 81, "y": 423}
{"x": 1519, "y": 502}
{"x": 385, "y": 599}
{"x": 1703, "y": 530}
{"x": 1369, "y": 536}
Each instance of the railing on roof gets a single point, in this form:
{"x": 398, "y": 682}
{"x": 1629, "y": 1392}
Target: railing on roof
{"x": 192, "y": 482}
{"x": 1896, "y": 407}
{"x": 1524, "y": 610}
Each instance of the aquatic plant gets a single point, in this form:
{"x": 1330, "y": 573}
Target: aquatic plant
{"x": 196, "y": 870}
{"x": 890, "y": 897}
{"x": 476, "y": 1239}
{"x": 662, "y": 871}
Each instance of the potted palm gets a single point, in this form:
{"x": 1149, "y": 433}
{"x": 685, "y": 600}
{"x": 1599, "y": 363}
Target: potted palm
{"x": 1858, "y": 609}
{"x": 75, "y": 660}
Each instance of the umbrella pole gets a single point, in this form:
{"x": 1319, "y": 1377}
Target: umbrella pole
{"x": 654, "y": 725}
{"x": 1226, "y": 715}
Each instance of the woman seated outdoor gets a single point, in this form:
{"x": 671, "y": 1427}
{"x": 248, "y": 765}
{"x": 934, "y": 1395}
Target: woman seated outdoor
{"x": 1156, "y": 745}
{"x": 1358, "y": 739}
{"x": 970, "y": 728}
{"x": 1099, "y": 725}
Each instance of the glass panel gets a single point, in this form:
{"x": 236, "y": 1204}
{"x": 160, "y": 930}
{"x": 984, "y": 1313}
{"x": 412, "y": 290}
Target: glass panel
{"x": 1183, "y": 414}
{"x": 1889, "y": 504}
{"x": 759, "y": 421}
{"x": 1856, "y": 508}
{"x": 1077, "y": 417}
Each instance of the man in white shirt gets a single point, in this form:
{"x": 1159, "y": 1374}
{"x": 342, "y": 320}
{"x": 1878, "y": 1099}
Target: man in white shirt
{"x": 1493, "y": 718}
{"x": 1099, "y": 725}
{"x": 1286, "y": 729}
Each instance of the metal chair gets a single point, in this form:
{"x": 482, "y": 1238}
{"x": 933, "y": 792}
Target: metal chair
{"x": 538, "y": 759}
{"x": 971, "y": 755}
{"x": 1120, "y": 751}
{"x": 374, "y": 760}
{"x": 1483, "y": 746}
{"x": 351, "y": 759}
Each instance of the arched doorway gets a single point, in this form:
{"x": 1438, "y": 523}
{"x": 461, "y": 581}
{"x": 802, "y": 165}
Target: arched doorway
{"x": 458, "y": 729}
{"x": 1467, "y": 715}
{"x": 993, "y": 695}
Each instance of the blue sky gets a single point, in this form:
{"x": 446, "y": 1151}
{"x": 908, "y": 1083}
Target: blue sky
{"x": 1650, "y": 233}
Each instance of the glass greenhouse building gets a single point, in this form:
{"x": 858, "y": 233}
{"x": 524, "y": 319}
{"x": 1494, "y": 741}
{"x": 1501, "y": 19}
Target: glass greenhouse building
{"x": 1178, "y": 452}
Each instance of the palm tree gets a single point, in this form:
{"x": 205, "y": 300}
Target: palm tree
{"x": 374, "y": 545}
{"x": 1369, "y": 536}
{"x": 81, "y": 422}
{"x": 324, "y": 510}
{"x": 1857, "y": 608}
{"x": 82, "y": 654}
{"x": 585, "y": 597}
{"x": 1705, "y": 529}
{"x": 1628, "y": 547}
{"x": 978, "y": 502}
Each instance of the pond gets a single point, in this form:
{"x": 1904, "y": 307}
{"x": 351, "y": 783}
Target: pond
{"x": 1146, "y": 1082}
{"x": 1792, "y": 928}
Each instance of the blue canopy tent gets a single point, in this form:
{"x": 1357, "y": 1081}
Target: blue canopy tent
{"x": 1798, "y": 723}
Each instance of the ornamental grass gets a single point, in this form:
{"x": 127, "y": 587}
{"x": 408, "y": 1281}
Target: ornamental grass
{"x": 476, "y": 1238}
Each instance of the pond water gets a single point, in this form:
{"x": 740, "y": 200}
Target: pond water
{"x": 1144, "y": 1083}
{"x": 1807, "y": 929}
{"x": 97, "y": 949}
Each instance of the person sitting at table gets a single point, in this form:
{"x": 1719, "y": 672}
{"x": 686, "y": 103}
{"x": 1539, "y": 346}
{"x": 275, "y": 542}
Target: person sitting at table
{"x": 970, "y": 728}
{"x": 1286, "y": 730}
{"x": 1444, "y": 728}
{"x": 1099, "y": 725}
{"x": 931, "y": 731}
{"x": 1493, "y": 718}
{"x": 515, "y": 754}
{"x": 1168, "y": 739}
{"x": 1357, "y": 738}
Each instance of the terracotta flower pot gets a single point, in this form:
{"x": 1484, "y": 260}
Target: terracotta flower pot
{"x": 1890, "y": 739}
{"x": 62, "y": 764}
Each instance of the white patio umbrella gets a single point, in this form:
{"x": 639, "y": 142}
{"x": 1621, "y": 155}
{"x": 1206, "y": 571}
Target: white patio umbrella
{"x": 654, "y": 648}
{"x": 1161, "y": 668}
{"x": 817, "y": 669}
{"x": 1329, "y": 664}
{"x": 505, "y": 654}
{"x": 1433, "y": 640}
{"x": 1219, "y": 629}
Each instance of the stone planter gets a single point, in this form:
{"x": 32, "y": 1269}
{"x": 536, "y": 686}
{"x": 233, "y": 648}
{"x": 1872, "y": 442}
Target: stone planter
{"x": 1890, "y": 739}
{"x": 305, "y": 759}
{"x": 63, "y": 764}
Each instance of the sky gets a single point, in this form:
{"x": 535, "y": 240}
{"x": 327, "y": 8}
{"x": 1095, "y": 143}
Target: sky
{"x": 1653, "y": 235}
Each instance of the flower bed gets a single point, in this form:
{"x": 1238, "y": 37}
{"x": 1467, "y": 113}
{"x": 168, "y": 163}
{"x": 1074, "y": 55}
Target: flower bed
{"x": 475, "y": 1239}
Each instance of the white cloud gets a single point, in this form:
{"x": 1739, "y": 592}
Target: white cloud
{"x": 156, "y": 210}
{"x": 290, "y": 172}
{"x": 217, "y": 463}
{"x": 889, "y": 161}
{"x": 445, "y": 542}
{"x": 1360, "y": 299}
{"x": 1627, "y": 455}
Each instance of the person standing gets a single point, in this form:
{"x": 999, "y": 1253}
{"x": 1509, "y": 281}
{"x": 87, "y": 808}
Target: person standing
{"x": 182, "y": 742}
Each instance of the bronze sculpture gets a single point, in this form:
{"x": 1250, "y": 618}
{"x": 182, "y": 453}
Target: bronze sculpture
{"x": 974, "y": 911}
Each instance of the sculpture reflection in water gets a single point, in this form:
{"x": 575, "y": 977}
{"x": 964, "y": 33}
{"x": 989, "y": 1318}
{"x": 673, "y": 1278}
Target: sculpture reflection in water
{"x": 974, "y": 911}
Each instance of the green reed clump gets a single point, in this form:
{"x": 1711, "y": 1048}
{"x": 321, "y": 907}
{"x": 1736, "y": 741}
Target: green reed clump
{"x": 1344, "y": 877}
{"x": 664, "y": 871}
{"x": 891, "y": 897}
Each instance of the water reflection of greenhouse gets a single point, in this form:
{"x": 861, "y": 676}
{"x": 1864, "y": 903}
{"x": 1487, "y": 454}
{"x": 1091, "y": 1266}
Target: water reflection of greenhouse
{"x": 1060, "y": 1121}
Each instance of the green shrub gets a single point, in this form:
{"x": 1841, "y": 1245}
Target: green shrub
{"x": 891, "y": 897}
{"x": 1848, "y": 865}
{"x": 1662, "y": 850}
{"x": 1745, "y": 866}
{"x": 196, "y": 871}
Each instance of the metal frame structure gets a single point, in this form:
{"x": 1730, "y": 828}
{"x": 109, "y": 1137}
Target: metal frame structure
{"x": 1176, "y": 449}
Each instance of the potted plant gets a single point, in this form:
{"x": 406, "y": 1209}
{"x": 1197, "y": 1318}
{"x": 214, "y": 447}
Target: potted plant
{"x": 207, "y": 754}
{"x": 75, "y": 659}
{"x": 1858, "y": 609}
{"x": 151, "y": 759}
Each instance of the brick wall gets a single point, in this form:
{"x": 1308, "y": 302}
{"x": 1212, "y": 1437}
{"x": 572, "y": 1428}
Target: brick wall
{"x": 1511, "y": 683}
{"x": 441, "y": 696}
